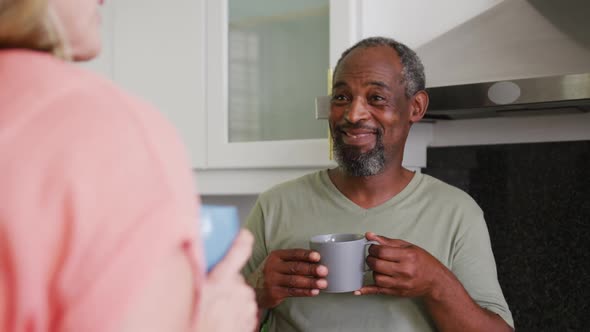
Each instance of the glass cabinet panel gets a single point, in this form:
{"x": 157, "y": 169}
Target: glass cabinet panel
{"x": 278, "y": 57}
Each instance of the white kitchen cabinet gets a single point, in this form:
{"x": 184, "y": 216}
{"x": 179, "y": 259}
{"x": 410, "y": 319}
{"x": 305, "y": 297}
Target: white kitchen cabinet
{"x": 277, "y": 137}
{"x": 159, "y": 54}
{"x": 176, "y": 57}
{"x": 299, "y": 141}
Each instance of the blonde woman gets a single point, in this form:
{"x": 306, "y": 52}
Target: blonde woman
{"x": 97, "y": 212}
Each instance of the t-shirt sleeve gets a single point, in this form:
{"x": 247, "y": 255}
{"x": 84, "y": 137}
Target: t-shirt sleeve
{"x": 255, "y": 223}
{"x": 474, "y": 265}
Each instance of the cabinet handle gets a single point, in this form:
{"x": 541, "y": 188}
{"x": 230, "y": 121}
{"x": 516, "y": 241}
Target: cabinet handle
{"x": 330, "y": 142}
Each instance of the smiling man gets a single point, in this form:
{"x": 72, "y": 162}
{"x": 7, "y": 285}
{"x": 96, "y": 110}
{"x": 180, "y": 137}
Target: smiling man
{"x": 434, "y": 268}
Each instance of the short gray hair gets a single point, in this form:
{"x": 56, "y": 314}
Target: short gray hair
{"x": 413, "y": 70}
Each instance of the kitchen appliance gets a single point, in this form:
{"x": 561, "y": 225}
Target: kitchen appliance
{"x": 518, "y": 58}
{"x": 562, "y": 94}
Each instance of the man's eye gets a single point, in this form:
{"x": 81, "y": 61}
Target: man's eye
{"x": 377, "y": 98}
{"x": 339, "y": 99}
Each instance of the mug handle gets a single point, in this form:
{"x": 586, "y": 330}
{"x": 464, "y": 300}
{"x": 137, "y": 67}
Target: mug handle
{"x": 368, "y": 243}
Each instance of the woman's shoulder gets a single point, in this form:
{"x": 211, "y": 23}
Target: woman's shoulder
{"x": 48, "y": 78}
{"x": 75, "y": 92}
{"x": 47, "y": 93}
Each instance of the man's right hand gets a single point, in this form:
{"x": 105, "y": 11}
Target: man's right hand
{"x": 287, "y": 273}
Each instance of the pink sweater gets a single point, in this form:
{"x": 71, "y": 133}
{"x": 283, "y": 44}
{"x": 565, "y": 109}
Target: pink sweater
{"x": 95, "y": 189}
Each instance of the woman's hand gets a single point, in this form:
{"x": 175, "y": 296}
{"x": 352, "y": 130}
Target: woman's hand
{"x": 227, "y": 303}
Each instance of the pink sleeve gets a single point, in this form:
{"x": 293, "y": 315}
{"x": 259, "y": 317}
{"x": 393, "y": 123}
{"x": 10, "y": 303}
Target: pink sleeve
{"x": 93, "y": 196}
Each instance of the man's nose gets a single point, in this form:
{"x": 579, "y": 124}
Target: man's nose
{"x": 357, "y": 111}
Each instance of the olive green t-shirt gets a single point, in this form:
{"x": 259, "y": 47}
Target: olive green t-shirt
{"x": 429, "y": 213}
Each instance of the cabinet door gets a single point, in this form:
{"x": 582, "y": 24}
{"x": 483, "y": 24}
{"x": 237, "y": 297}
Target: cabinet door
{"x": 267, "y": 60}
{"x": 159, "y": 55}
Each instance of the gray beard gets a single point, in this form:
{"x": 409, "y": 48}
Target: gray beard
{"x": 355, "y": 163}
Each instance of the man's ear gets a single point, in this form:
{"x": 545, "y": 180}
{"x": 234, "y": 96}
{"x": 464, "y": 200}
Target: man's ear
{"x": 418, "y": 106}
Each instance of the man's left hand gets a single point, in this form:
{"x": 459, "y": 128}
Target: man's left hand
{"x": 402, "y": 269}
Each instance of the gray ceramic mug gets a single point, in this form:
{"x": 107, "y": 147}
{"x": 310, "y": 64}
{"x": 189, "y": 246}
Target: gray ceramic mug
{"x": 344, "y": 255}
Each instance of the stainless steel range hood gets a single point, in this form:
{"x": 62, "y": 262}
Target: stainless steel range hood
{"x": 561, "y": 94}
{"x": 519, "y": 58}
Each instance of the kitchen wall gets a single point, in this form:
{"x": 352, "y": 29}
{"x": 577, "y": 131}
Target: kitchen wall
{"x": 535, "y": 200}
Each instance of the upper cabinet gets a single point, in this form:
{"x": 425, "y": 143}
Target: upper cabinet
{"x": 267, "y": 61}
{"x": 159, "y": 54}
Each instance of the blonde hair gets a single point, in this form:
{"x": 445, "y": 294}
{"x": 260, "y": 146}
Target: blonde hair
{"x": 30, "y": 24}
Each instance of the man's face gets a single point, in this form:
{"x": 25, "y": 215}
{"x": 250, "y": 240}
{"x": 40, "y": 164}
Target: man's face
{"x": 369, "y": 113}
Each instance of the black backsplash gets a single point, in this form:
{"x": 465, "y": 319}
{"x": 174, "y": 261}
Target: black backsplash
{"x": 536, "y": 200}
